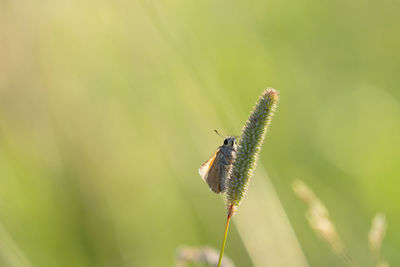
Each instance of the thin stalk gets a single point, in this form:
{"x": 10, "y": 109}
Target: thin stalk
{"x": 221, "y": 254}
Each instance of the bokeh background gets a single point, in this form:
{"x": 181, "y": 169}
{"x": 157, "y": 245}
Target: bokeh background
{"x": 107, "y": 109}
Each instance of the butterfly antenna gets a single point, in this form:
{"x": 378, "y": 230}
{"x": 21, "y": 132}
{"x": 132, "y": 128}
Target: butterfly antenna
{"x": 218, "y": 133}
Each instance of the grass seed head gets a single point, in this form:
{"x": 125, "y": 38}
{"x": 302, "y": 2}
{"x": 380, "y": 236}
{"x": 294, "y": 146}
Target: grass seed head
{"x": 250, "y": 144}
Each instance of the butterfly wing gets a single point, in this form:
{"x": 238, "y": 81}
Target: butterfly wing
{"x": 211, "y": 170}
{"x": 205, "y": 168}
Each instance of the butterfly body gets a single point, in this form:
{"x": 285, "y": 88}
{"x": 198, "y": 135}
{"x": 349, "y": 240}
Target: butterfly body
{"x": 215, "y": 171}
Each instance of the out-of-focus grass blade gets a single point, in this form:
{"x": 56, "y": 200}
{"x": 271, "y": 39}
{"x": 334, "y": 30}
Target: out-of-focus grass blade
{"x": 10, "y": 253}
{"x": 264, "y": 227}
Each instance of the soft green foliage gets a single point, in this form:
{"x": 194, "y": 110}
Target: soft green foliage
{"x": 250, "y": 144}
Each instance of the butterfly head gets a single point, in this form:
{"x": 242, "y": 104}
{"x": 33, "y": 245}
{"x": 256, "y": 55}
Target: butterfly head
{"x": 230, "y": 142}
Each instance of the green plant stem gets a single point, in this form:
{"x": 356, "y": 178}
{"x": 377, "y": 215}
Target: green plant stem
{"x": 221, "y": 254}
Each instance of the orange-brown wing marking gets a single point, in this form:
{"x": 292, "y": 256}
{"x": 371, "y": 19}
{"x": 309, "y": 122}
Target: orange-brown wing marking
{"x": 210, "y": 172}
{"x": 205, "y": 168}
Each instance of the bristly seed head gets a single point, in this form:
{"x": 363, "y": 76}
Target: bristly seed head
{"x": 249, "y": 146}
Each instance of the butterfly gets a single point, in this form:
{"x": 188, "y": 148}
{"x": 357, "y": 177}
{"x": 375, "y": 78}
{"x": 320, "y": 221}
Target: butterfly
{"x": 215, "y": 171}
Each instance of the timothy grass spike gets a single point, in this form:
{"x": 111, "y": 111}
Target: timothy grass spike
{"x": 247, "y": 153}
{"x": 250, "y": 144}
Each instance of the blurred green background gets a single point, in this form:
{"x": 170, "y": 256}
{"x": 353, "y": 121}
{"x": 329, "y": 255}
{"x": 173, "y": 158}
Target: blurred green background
{"x": 107, "y": 109}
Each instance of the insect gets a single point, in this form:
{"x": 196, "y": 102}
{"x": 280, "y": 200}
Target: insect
{"x": 215, "y": 171}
